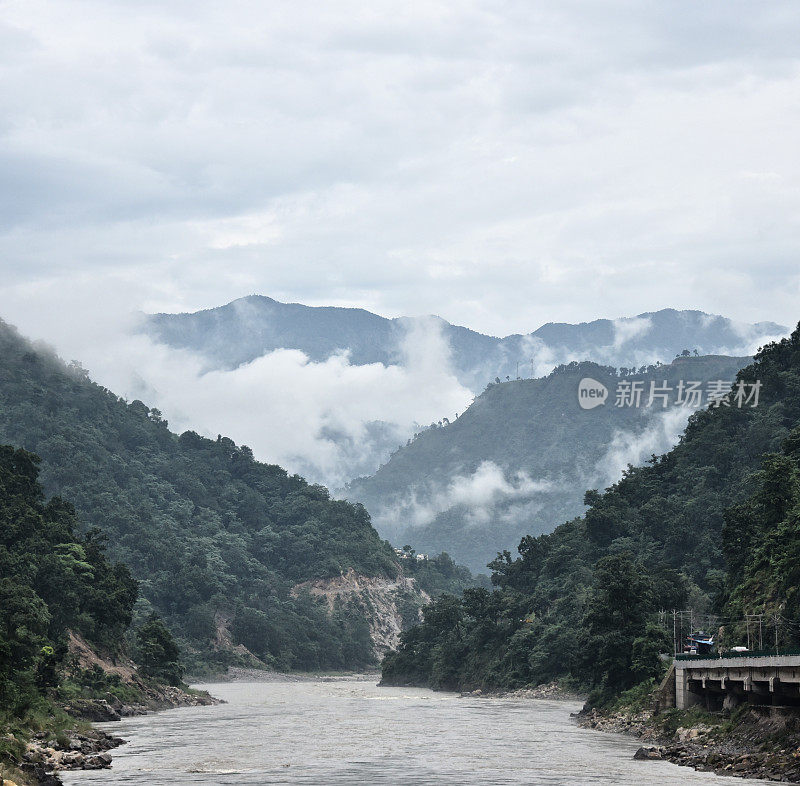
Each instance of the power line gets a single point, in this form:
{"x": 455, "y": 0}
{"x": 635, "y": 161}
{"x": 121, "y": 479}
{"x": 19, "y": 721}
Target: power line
{"x": 753, "y": 623}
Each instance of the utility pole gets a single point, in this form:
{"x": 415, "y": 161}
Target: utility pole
{"x": 755, "y": 618}
{"x": 517, "y": 369}
{"x": 776, "y": 634}
{"x": 674, "y": 632}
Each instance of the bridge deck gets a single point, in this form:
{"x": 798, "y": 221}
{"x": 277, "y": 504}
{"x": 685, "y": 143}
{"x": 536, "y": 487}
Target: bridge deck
{"x": 727, "y": 681}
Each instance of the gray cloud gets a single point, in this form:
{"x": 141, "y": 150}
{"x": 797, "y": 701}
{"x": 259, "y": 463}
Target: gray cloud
{"x": 488, "y": 491}
{"x": 502, "y": 164}
{"x": 662, "y": 433}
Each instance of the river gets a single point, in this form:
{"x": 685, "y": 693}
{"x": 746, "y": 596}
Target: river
{"x": 348, "y": 731}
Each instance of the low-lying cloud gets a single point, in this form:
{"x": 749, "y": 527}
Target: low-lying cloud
{"x": 511, "y": 501}
{"x": 479, "y": 494}
{"x": 626, "y": 330}
{"x": 634, "y": 448}
{"x": 330, "y": 421}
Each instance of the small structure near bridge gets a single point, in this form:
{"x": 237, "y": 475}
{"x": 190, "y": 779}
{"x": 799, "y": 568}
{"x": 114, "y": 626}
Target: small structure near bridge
{"x": 725, "y": 681}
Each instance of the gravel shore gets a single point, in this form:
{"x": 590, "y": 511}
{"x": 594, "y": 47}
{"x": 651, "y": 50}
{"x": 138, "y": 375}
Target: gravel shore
{"x": 750, "y": 745}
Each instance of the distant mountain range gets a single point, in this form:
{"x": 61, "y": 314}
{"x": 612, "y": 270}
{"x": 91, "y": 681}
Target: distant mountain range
{"x": 250, "y": 327}
{"x": 520, "y": 458}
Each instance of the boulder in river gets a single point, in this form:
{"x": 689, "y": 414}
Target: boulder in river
{"x": 648, "y": 753}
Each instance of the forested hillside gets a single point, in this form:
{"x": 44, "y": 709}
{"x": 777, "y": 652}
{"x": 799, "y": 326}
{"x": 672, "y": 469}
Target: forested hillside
{"x": 217, "y": 539}
{"x": 51, "y": 580}
{"x": 713, "y": 524}
{"x": 520, "y": 458}
{"x": 761, "y": 543}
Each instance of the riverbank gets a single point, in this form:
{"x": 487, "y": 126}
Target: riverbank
{"x": 750, "y": 743}
{"x": 76, "y": 750}
{"x": 552, "y": 691}
{"x": 241, "y": 674}
{"x": 69, "y": 742}
{"x": 153, "y": 698}
{"x": 59, "y": 749}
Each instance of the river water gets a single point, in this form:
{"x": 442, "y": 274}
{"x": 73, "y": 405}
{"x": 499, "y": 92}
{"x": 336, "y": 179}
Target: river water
{"x": 348, "y": 731}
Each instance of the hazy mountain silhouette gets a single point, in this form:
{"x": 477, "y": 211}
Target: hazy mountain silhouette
{"x": 252, "y": 326}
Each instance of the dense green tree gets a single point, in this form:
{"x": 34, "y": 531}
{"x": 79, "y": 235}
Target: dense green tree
{"x": 761, "y": 543}
{"x": 440, "y": 574}
{"x": 157, "y": 654}
{"x": 647, "y": 651}
{"x": 51, "y": 580}
{"x": 617, "y": 611}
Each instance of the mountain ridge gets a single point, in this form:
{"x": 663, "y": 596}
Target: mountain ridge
{"x": 520, "y": 458}
{"x": 246, "y": 328}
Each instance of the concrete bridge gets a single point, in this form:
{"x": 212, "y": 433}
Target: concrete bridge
{"x": 725, "y": 682}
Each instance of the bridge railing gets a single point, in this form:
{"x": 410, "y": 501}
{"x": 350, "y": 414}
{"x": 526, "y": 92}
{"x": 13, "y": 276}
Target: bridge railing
{"x": 746, "y": 654}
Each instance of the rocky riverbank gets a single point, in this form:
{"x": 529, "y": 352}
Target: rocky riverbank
{"x": 86, "y": 748}
{"x": 153, "y": 699}
{"x": 750, "y": 743}
{"x": 240, "y": 674}
{"x": 551, "y": 690}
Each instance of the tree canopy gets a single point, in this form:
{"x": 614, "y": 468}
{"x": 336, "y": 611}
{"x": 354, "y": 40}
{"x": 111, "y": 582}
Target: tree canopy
{"x": 51, "y": 580}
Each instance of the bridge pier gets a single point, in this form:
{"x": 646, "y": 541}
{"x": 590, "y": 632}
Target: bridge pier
{"x": 685, "y": 697}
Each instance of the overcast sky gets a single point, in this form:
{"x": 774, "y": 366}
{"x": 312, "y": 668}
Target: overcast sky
{"x": 501, "y": 164}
